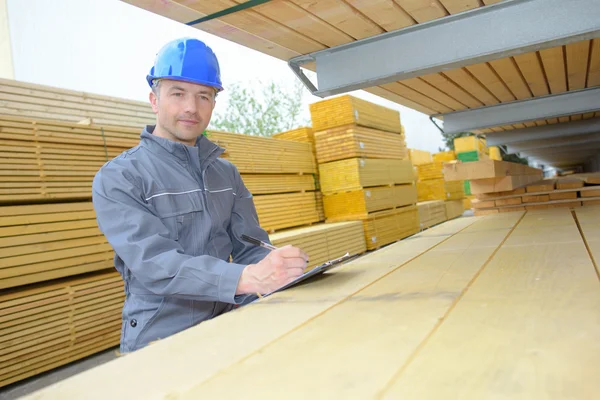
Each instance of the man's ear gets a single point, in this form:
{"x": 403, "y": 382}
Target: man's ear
{"x": 154, "y": 101}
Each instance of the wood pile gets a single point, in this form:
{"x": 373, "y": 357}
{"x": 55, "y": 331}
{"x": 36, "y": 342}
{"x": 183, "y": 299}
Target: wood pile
{"x": 419, "y": 157}
{"x": 324, "y": 242}
{"x": 45, "y": 161}
{"x": 279, "y": 211}
{"x": 571, "y": 192}
{"x": 50, "y": 324}
{"x": 388, "y": 226}
{"x": 440, "y": 189}
{"x": 492, "y": 176}
{"x": 431, "y": 213}
{"x": 454, "y": 208}
{"x": 444, "y": 156}
{"x": 349, "y": 110}
{"x": 21, "y": 99}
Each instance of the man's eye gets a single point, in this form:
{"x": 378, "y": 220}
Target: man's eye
{"x": 178, "y": 94}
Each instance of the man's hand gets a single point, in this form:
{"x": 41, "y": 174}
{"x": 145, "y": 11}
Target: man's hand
{"x": 278, "y": 268}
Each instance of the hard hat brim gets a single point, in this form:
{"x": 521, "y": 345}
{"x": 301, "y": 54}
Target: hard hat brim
{"x": 150, "y": 79}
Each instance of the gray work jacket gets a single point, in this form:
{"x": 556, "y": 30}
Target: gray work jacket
{"x": 174, "y": 214}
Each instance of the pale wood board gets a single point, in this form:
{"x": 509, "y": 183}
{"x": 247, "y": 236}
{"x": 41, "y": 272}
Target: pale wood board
{"x": 526, "y": 328}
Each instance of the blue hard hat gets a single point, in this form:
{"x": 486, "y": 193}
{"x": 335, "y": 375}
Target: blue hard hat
{"x": 188, "y": 60}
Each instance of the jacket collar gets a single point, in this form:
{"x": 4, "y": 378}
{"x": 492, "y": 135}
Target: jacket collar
{"x": 203, "y": 152}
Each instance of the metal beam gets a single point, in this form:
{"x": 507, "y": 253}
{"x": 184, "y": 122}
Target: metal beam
{"x": 553, "y": 142}
{"x": 483, "y": 34}
{"x": 565, "y": 129}
{"x": 553, "y": 106}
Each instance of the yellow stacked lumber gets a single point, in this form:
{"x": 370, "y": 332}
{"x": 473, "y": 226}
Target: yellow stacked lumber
{"x": 51, "y": 324}
{"x": 439, "y": 189}
{"x": 355, "y": 174}
{"x": 495, "y": 153}
{"x": 419, "y": 157}
{"x": 470, "y": 143}
{"x": 352, "y": 141}
{"x": 254, "y": 154}
{"x": 358, "y": 204}
{"x": 467, "y": 202}
{"x": 454, "y": 209}
{"x": 444, "y": 156}
{"x": 303, "y": 135}
{"x": 346, "y": 110}
{"x": 278, "y": 211}
{"x": 385, "y": 227}
{"x": 431, "y": 213}
{"x": 278, "y": 183}
{"x": 29, "y": 100}
{"x": 49, "y": 160}
{"x": 431, "y": 170}
{"x": 324, "y": 242}
{"x": 42, "y": 242}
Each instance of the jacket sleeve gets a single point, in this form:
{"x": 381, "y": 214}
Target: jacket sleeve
{"x": 141, "y": 240}
{"x": 244, "y": 220}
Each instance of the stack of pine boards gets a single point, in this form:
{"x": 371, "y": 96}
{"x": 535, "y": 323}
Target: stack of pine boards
{"x": 365, "y": 173}
{"x": 513, "y": 297}
{"x": 60, "y": 297}
{"x": 434, "y": 191}
{"x": 570, "y": 192}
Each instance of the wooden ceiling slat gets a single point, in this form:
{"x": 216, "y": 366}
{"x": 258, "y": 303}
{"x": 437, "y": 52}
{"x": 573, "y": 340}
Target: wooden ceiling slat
{"x": 541, "y": 122}
{"x": 507, "y": 69}
{"x": 386, "y": 13}
{"x": 462, "y": 78}
{"x": 488, "y": 77}
{"x": 341, "y": 15}
{"x": 423, "y": 10}
{"x": 296, "y": 18}
{"x": 405, "y": 91}
{"x": 497, "y": 129}
{"x": 597, "y": 115}
{"x": 452, "y": 89}
{"x": 532, "y": 71}
{"x": 530, "y": 124}
{"x": 588, "y": 115}
{"x": 386, "y": 94}
{"x": 553, "y": 60}
{"x": 457, "y": 6}
{"x": 563, "y": 119}
{"x": 576, "y": 117}
{"x": 552, "y": 121}
{"x": 423, "y": 87}
{"x": 257, "y": 24}
{"x": 577, "y": 64}
{"x": 519, "y": 126}
{"x": 593, "y": 78}
{"x": 489, "y": 2}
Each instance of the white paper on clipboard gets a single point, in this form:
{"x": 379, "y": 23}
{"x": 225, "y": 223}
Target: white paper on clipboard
{"x": 315, "y": 271}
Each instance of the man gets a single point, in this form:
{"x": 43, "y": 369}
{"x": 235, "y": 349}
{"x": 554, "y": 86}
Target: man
{"x": 174, "y": 212}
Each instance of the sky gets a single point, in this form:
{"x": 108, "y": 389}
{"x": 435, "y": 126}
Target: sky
{"x": 107, "y": 47}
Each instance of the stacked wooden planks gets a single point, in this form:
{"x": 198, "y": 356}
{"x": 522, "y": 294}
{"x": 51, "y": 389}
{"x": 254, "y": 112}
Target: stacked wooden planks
{"x": 324, "y": 242}
{"x": 388, "y": 226}
{"x": 49, "y": 241}
{"x": 454, "y": 208}
{"x": 20, "y": 99}
{"x": 349, "y": 110}
{"x": 449, "y": 155}
{"x": 355, "y": 141}
{"x": 55, "y": 161}
{"x": 492, "y": 176}
{"x": 419, "y": 157}
{"x": 549, "y": 193}
{"x": 432, "y": 170}
{"x": 303, "y": 134}
{"x": 279, "y": 211}
{"x": 278, "y": 183}
{"x": 431, "y": 213}
{"x": 47, "y": 325}
{"x": 440, "y": 189}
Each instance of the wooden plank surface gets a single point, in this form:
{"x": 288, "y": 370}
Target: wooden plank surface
{"x": 221, "y": 346}
{"x": 511, "y": 335}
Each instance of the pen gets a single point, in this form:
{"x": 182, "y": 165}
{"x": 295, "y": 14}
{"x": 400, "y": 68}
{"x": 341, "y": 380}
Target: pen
{"x": 258, "y": 242}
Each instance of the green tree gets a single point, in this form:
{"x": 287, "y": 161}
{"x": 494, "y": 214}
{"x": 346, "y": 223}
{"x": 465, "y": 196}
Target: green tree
{"x": 262, "y": 113}
{"x": 449, "y": 142}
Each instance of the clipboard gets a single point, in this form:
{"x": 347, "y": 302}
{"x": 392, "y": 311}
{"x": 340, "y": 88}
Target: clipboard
{"x": 314, "y": 272}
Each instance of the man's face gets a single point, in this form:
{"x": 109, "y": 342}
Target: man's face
{"x": 182, "y": 109}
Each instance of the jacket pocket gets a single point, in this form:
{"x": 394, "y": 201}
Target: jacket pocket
{"x": 176, "y": 207}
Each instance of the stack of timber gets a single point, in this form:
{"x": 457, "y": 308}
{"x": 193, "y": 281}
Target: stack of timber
{"x": 419, "y": 157}
{"x": 349, "y": 110}
{"x": 431, "y": 213}
{"x": 49, "y": 241}
{"x": 324, "y": 242}
{"x": 570, "y": 192}
{"x": 454, "y": 208}
{"x": 47, "y": 325}
{"x": 491, "y": 176}
{"x": 470, "y": 149}
{"x": 432, "y": 186}
{"x": 281, "y": 175}
{"x": 365, "y": 173}
{"x": 45, "y": 161}
{"x": 302, "y": 135}
{"x": 20, "y": 99}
